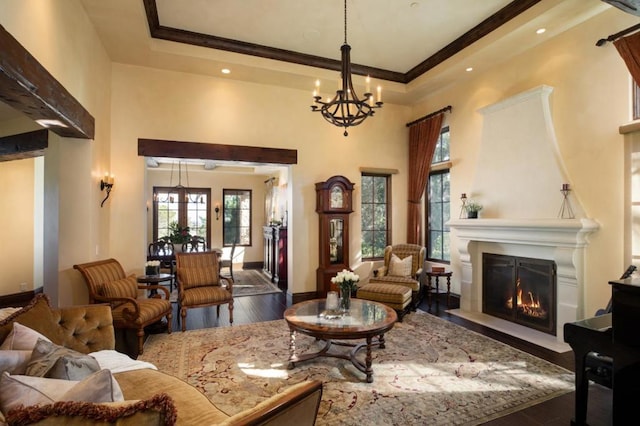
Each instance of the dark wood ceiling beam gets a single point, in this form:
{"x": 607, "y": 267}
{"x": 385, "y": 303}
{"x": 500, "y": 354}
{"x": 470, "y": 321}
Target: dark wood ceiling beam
{"x": 28, "y": 87}
{"x": 493, "y": 22}
{"x": 24, "y": 145}
{"x": 207, "y": 151}
{"x": 505, "y": 14}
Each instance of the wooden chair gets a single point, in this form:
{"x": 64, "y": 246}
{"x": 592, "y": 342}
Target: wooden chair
{"x": 164, "y": 252}
{"x": 107, "y": 282}
{"x": 200, "y": 283}
{"x": 228, "y": 263}
{"x": 195, "y": 244}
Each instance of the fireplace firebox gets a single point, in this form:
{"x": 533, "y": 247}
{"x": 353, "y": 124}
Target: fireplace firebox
{"x": 521, "y": 290}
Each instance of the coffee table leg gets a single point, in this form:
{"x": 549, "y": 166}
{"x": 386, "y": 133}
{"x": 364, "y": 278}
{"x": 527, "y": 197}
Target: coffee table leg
{"x": 381, "y": 341}
{"x": 368, "y": 361}
{"x": 292, "y": 349}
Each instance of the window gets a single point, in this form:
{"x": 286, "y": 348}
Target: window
{"x": 236, "y": 215}
{"x": 186, "y": 206}
{"x": 376, "y": 215}
{"x": 439, "y": 202}
{"x": 636, "y": 100}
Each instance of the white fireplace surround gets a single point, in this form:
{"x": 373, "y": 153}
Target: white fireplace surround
{"x": 519, "y": 174}
{"x": 561, "y": 240}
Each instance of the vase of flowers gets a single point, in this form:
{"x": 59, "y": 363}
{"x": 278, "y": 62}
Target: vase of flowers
{"x": 347, "y": 282}
{"x": 152, "y": 267}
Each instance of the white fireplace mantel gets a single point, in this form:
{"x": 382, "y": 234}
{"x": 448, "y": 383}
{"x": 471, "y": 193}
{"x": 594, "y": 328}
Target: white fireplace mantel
{"x": 561, "y": 240}
{"x": 546, "y": 232}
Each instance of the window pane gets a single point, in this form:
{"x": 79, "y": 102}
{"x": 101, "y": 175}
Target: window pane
{"x": 439, "y": 204}
{"x": 375, "y": 202}
{"x": 236, "y": 216}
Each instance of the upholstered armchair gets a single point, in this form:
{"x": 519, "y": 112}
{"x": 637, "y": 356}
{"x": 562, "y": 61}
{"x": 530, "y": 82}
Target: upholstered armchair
{"x": 108, "y": 283}
{"x": 403, "y": 265}
{"x": 200, "y": 283}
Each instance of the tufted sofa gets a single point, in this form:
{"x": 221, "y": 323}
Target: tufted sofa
{"x": 160, "y": 397}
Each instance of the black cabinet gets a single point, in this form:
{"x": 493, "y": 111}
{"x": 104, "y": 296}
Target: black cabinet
{"x": 275, "y": 255}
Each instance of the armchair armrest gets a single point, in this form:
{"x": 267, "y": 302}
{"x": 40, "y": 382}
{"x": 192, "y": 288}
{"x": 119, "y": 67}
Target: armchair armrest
{"x": 297, "y": 405}
{"x": 129, "y": 314}
{"x": 229, "y": 281}
{"x": 382, "y": 271}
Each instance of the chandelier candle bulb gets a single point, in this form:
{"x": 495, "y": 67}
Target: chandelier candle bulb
{"x": 368, "y": 81}
{"x": 379, "y": 94}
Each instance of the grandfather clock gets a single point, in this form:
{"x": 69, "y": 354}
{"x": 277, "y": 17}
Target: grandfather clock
{"x": 334, "y": 204}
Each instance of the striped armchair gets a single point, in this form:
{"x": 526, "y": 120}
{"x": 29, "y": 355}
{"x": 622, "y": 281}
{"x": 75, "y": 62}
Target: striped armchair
{"x": 107, "y": 282}
{"x": 399, "y": 270}
{"x": 200, "y": 283}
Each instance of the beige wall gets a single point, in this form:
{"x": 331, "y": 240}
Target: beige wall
{"x": 589, "y": 102}
{"x": 60, "y": 36}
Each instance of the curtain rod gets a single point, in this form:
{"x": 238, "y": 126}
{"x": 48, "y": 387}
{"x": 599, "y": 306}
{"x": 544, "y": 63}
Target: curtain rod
{"x": 445, "y": 109}
{"x": 616, "y": 36}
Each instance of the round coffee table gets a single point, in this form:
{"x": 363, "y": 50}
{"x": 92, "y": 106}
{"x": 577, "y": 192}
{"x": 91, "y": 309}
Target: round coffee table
{"x": 366, "y": 320}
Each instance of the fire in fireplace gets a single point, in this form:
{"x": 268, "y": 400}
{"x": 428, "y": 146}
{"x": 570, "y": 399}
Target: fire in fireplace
{"x": 521, "y": 290}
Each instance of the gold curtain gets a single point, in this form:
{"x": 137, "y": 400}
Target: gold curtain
{"x": 629, "y": 48}
{"x": 423, "y": 137}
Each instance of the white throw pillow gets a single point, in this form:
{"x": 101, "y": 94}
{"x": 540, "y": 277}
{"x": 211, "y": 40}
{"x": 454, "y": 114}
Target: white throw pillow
{"x": 6, "y": 312}
{"x": 27, "y": 390}
{"x": 14, "y": 362}
{"x": 22, "y": 338}
{"x": 400, "y": 267}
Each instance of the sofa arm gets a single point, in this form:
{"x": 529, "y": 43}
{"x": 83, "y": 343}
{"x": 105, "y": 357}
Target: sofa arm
{"x": 297, "y": 405}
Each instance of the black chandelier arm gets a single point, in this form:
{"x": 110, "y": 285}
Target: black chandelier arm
{"x": 104, "y": 186}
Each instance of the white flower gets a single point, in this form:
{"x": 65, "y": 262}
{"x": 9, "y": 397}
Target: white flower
{"x": 152, "y": 263}
{"x": 346, "y": 279}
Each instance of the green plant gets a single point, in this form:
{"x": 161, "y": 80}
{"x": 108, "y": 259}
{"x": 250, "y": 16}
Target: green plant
{"x": 473, "y": 206}
{"x": 177, "y": 234}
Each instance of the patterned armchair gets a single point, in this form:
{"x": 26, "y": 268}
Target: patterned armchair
{"x": 200, "y": 283}
{"x": 107, "y": 282}
{"x": 400, "y": 270}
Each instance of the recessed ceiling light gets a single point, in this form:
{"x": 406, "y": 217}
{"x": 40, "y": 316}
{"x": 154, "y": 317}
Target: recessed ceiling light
{"x": 469, "y": 69}
{"x": 225, "y": 71}
{"x": 540, "y": 30}
{"x": 414, "y": 4}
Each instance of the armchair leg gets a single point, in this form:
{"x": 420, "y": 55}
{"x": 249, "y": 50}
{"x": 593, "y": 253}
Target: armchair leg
{"x": 183, "y": 318}
{"x": 169, "y": 320}
{"x": 230, "y": 312}
{"x": 140, "y": 334}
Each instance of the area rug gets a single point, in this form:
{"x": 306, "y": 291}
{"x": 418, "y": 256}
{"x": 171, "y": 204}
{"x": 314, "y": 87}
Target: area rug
{"x": 250, "y": 282}
{"x": 431, "y": 372}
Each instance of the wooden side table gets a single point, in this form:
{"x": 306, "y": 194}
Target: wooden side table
{"x": 431, "y": 290}
{"x": 154, "y": 279}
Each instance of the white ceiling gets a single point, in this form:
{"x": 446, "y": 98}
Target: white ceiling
{"x": 394, "y": 35}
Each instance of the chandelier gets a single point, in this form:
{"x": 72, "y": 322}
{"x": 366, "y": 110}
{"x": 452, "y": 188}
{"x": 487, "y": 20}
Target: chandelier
{"x": 345, "y": 109}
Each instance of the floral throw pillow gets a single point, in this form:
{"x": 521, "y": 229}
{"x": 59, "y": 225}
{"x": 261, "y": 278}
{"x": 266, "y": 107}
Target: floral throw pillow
{"x": 400, "y": 267}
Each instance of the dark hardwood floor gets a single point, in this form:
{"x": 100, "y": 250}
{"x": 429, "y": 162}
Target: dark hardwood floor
{"x": 557, "y": 411}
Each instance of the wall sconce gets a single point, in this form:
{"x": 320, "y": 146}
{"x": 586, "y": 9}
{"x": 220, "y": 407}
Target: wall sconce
{"x": 217, "y": 210}
{"x": 105, "y": 185}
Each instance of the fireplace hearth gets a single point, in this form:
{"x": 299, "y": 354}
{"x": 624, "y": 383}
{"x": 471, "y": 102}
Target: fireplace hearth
{"x": 520, "y": 289}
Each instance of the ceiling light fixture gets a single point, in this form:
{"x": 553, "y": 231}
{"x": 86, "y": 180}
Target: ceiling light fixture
{"x": 345, "y": 109}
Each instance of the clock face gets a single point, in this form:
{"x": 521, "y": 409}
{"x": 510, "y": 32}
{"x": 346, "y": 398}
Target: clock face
{"x": 337, "y": 198}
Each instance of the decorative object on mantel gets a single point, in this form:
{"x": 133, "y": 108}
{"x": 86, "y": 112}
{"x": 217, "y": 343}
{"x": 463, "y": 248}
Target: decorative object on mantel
{"x": 345, "y": 109}
{"x": 463, "y": 208}
{"x": 473, "y": 208}
{"x": 566, "y": 212}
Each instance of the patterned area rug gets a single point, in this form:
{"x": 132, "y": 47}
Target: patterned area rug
{"x": 431, "y": 372}
{"x": 249, "y": 282}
